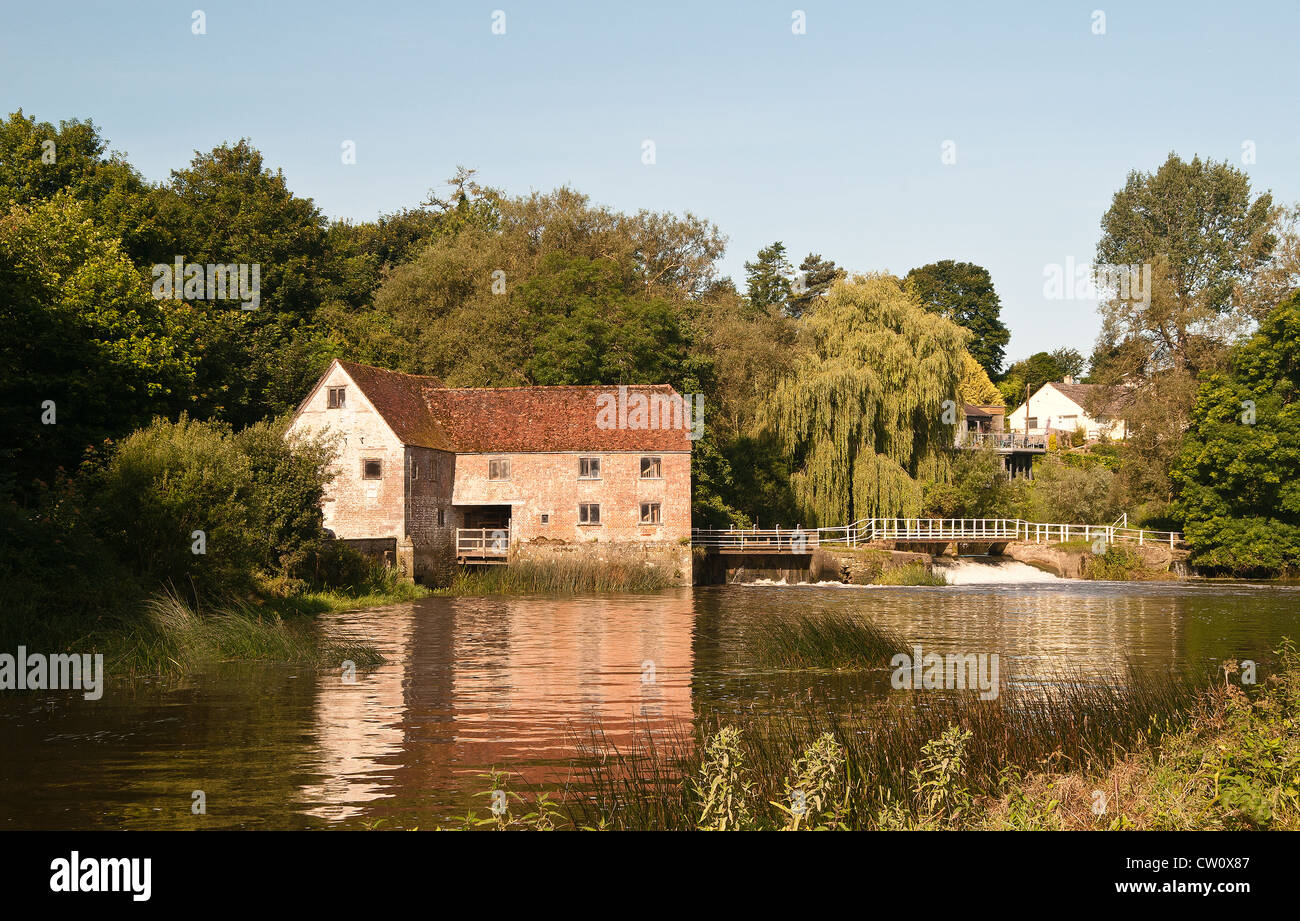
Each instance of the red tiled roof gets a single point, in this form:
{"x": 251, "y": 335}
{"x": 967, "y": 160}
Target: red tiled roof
{"x": 421, "y": 411}
{"x": 400, "y": 399}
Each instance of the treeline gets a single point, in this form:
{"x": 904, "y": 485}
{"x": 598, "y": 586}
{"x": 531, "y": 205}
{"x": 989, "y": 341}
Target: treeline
{"x": 829, "y": 394}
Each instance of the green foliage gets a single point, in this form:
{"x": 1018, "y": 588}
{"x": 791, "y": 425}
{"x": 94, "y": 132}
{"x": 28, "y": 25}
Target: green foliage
{"x": 576, "y": 576}
{"x": 723, "y": 789}
{"x": 938, "y": 775}
{"x": 1238, "y": 476}
{"x": 256, "y": 502}
{"x": 767, "y": 279}
{"x": 963, "y": 293}
{"x": 861, "y": 415}
{"x": 1029, "y": 374}
{"x": 911, "y": 574}
{"x": 1119, "y": 563}
{"x": 77, "y": 327}
{"x": 39, "y": 161}
{"x": 977, "y": 488}
{"x": 1069, "y": 493}
{"x": 1198, "y": 227}
{"x": 816, "y": 789}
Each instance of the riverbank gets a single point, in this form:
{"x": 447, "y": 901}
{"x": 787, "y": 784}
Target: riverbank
{"x": 164, "y": 635}
{"x": 1139, "y": 751}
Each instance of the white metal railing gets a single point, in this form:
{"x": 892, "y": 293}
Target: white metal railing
{"x": 1006, "y": 441}
{"x": 482, "y": 542}
{"x": 923, "y": 530}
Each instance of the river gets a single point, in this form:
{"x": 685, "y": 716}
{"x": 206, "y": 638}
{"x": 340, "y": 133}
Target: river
{"x": 509, "y": 682}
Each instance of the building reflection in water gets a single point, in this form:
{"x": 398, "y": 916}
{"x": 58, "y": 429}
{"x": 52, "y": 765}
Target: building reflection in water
{"x": 472, "y": 683}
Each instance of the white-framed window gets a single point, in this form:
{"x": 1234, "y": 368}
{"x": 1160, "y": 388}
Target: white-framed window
{"x": 499, "y": 469}
{"x": 651, "y": 513}
{"x": 372, "y": 468}
{"x": 1031, "y": 422}
{"x": 588, "y": 513}
{"x": 651, "y": 468}
{"x": 589, "y": 468}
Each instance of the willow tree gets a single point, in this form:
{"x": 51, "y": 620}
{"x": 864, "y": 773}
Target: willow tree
{"x": 869, "y": 409}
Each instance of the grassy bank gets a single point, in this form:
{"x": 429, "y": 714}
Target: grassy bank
{"x": 172, "y": 638}
{"x": 163, "y": 634}
{"x": 1150, "y": 751}
{"x": 572, "y": 576}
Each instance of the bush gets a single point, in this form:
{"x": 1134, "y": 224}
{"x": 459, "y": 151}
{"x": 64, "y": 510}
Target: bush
{"x": 193, "y": 506}
{"x": 1064, "y": 493}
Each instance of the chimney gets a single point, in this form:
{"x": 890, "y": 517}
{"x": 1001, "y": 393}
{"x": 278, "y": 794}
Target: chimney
{"x": 1069, "y": 379}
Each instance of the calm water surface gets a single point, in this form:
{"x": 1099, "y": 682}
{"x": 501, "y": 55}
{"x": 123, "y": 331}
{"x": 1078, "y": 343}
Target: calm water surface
{"x": 475, "y": 682}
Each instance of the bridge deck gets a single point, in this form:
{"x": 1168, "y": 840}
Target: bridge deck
{"x": 921, "y": 531}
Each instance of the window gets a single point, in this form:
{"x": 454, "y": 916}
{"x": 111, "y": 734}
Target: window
{"x": 650, "y": 513}
{"x": 442, "y": 517}
{"x": 589, "y": 468}
{"x": 336, "y": 396}
{"x": 1031, "y": 422}
{"x": 651, "y": 469}
{"x": 589, "y": 513}
{"x": 371, "y": 469}
{"x": 546, "y": 517}
{"x": 415, "y": 469}
{"x": 499, "y": 469}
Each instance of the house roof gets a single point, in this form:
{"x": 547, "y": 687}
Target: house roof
{"x": 402, "y": 400}
{"x": 1111, "y": 401}
{"x": 423, "y": 412}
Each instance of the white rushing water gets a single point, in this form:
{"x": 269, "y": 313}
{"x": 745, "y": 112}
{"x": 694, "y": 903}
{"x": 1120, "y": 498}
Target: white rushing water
{"x": 985, "y": 570}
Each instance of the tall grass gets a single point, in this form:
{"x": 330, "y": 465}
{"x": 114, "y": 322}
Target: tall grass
{"x": 889, "y": 750}
{"x": 575, "y": 575}
{"x": 173, "y": 637}
{"x": 825, "y": 640}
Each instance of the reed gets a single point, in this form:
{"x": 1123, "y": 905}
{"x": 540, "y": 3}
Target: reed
{"x": 825, "y": 640}
{"x": 915, "y": 761}
{"x": 173, "y": 637}
{"x": 566, "y": 576}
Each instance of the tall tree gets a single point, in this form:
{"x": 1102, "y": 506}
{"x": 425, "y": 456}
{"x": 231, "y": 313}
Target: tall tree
{"x": 862, "y": 414}
{"x": 768, "y": 278}
{"x": 87, "y": 353}
{"x": 811, "y": 282}
{"x": 963, "y": 293}
{"x": 38, "y": 159}
{"x": 1202, "y": 234}
{"x": 1238, "y": 476}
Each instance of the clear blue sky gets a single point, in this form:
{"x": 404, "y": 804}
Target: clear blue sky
{"x": 829, "y": 141}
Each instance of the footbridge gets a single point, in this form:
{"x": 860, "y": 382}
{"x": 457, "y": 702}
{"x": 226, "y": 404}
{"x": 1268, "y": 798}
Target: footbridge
{"x": 931, "y": 535}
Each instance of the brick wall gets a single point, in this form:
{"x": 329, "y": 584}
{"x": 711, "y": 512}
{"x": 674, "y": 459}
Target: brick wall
{"x": 548, "y": 484}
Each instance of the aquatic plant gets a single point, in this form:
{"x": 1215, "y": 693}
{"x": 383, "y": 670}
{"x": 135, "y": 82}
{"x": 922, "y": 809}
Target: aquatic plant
{"x": 568, "y": 576}
{"x": 174, "y": 636}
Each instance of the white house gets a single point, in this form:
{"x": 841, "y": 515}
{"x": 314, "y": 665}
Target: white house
{"x": 1059, "y": 406}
